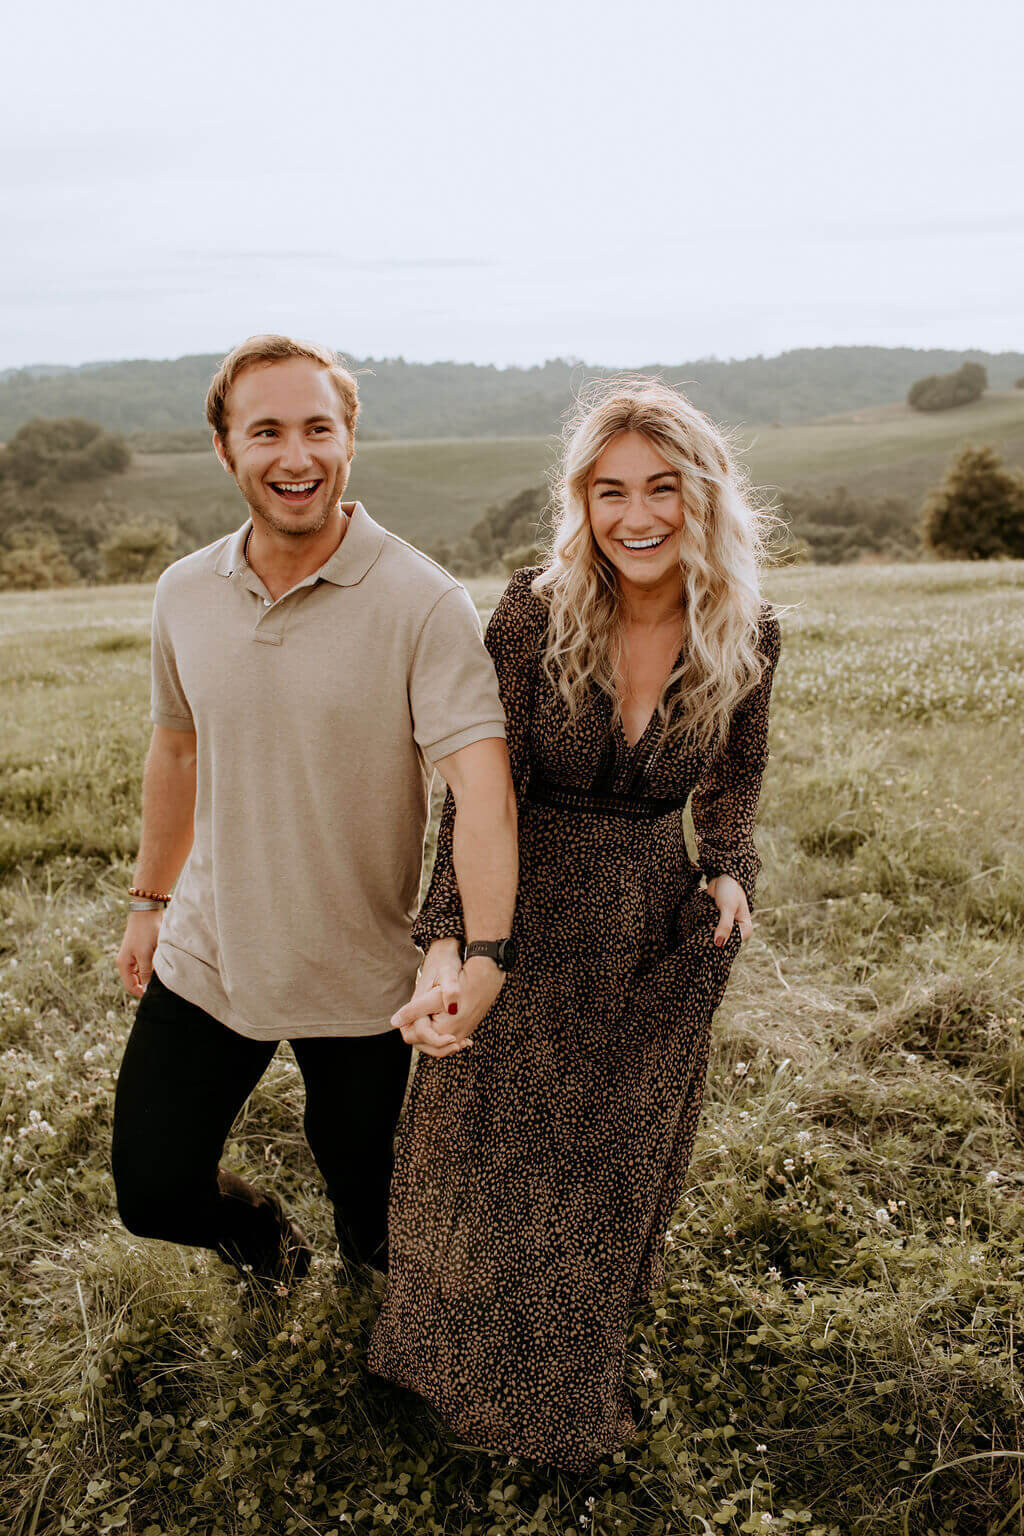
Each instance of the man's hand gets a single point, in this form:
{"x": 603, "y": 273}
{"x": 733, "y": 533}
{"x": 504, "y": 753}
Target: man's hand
{"x": 731, "y": 900}
{"x": 441, "y": 966}
{"x": 135, "y": 957}
{"x": 424, "y": 1019}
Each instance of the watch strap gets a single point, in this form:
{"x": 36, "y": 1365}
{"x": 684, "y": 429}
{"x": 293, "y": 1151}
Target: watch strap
{"x": 501, "y": 951}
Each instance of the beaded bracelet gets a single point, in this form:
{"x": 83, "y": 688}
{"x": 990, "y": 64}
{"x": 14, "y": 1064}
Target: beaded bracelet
{"x": 134, "y": 890}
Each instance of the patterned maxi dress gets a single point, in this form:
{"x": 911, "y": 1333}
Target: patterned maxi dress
{"x": 537, "y": 1172}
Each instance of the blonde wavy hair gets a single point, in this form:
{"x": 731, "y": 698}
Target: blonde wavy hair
{"x": 722, "y": 552}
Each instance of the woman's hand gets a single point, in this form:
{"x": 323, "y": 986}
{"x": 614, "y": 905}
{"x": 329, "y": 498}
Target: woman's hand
{"x": 731, "y": 900}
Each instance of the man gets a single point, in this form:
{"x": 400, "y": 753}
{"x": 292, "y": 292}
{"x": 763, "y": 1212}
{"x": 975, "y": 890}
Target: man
{"x": 309, "y": 672}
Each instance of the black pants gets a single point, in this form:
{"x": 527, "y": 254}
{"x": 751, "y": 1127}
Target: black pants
{"x": 184, "y": 1078}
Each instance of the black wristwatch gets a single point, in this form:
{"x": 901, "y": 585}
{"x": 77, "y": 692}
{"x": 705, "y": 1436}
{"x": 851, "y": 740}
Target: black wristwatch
{"x": 501, "y": 951}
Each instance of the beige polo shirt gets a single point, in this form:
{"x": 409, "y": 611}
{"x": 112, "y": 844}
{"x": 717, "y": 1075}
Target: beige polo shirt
{"x": 317, "y": 718}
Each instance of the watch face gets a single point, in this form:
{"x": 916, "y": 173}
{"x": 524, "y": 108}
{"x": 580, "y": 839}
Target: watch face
{"x": 507, "y": 954}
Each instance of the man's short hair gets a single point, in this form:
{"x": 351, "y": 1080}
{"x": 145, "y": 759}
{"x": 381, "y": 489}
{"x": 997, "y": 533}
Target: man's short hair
{"x": 274, "y": 349}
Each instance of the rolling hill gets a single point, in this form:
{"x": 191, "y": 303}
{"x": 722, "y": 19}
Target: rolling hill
{"x": 433, "y": 492}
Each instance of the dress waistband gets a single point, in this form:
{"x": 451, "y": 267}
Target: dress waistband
{"x": 541, "y": 791}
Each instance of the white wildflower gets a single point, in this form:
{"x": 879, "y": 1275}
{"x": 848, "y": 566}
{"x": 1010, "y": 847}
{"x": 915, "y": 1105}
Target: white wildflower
{"x": 740, "y": 1069}
{"x": 993, "y": 1176}
{"x": 882, "y": 1215}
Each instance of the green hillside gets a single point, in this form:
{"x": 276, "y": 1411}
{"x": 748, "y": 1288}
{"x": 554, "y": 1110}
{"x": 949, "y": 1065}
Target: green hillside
{"x": 429, "y": 400}
{"x": 427, "y": 491}
{"x": 433, "y": 492}
{"x": 886, "y": 450}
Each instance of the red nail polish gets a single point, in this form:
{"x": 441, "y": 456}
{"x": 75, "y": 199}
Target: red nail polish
{"x": 453, "y": 1007}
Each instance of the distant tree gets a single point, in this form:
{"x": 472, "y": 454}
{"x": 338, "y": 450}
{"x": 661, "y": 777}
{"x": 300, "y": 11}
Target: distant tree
{"x": 138, "y": 551}
{"x": 1019, "y": 383}
{"x": 516, "y": 559}
{"x": 65, "y": 449}
{"x": 33, "y": 562}
{"x": 977, "y": 513}
{"x": 838, "y": 525}
{"x": 941, "y": 391}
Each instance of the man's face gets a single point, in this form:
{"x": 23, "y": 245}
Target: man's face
{"x": 287, "y": 444}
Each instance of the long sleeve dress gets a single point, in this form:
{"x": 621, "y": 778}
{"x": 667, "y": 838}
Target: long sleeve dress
{"x": 537, "y": 1173}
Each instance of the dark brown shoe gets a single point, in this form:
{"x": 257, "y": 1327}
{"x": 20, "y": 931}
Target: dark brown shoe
{"x": 281, "y": 1256}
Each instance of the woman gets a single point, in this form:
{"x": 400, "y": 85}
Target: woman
{"x": 537, "y": 1172}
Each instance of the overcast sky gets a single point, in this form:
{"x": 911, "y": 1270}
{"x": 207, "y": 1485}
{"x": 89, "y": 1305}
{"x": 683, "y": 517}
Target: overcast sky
{"x": 508, "y": 183}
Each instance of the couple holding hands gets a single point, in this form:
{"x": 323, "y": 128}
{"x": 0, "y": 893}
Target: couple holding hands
{"x": 310, "y": 671}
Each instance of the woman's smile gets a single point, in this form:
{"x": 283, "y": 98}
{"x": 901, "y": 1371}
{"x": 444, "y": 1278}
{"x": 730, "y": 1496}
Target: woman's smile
{"x": 643, "y": 546}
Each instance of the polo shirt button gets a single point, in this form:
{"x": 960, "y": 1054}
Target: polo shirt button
{"x": 266, "y": 602}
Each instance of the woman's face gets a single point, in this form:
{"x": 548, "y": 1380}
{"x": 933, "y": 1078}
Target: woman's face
{"x": 635, "y": 502}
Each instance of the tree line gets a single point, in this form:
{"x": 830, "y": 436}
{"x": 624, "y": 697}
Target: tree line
{"x": 429, "y": 400}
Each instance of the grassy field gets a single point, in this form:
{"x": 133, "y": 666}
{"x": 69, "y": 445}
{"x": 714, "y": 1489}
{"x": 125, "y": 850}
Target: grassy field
{"x": 433, "y": 491}
{"x": 834, "y": 1350}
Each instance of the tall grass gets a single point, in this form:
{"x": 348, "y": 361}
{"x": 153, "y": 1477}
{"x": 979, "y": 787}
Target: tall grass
{"x": 835, "y": 1348}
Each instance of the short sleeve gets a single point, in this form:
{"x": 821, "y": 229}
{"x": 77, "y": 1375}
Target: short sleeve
{"x": 168, "y": 705}
{"x": 453, "y": 689}
{"x": 514, "y": 637}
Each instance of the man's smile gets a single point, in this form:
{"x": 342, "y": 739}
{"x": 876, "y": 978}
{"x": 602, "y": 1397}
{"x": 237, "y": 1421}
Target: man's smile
{"x": 296, "y": 492}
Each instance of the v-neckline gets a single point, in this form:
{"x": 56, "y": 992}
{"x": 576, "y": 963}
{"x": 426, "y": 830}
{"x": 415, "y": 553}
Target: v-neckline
{"x": 631, "y": 746}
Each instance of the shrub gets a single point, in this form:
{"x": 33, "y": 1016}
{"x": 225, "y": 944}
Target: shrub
{"x": 978, "y": 511}
{"x": 510, "y": 531}
{"x": 34, "y": 563}
{"x": 62, "y": 449}
{"x": 516, "y": 559}
{"x": 941, "y": 391}
{"x": 139, "y": 551}
{"x": 836, "y": 526}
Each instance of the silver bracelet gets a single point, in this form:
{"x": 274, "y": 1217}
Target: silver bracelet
{"x": 136, "y": 905}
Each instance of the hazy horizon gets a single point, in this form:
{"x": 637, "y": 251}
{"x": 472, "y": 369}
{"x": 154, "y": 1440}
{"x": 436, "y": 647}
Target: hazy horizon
{"x": 584, "y": 362}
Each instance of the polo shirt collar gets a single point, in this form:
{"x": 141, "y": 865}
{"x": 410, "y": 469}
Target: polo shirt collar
{"x": 357, "y": 552}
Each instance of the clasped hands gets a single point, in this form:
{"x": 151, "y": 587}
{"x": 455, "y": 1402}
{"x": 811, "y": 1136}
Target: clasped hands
{"x": 451, "y": 998}
{"x": 449, "y": 1001}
